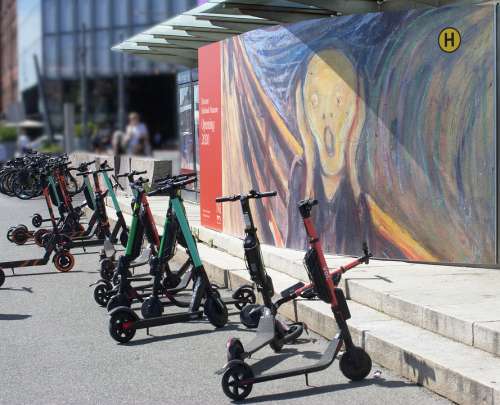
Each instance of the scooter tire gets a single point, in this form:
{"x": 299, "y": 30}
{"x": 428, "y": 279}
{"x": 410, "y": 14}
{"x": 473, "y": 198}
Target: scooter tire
{"x": 245, "y": 296}
{"x": 233, "y": 374}
{"x": 250, "y": 315}
{"x": 355, "y": 364}
{"x": 2, "y": 277}
{"x": 118, "y": 300}
{"x": 37, "y": 220}
{"x": 116, "y": 329}
{"x": 101, "y": 294}
{"x": 151, "y": 307}
{"x": 215, "y": 310}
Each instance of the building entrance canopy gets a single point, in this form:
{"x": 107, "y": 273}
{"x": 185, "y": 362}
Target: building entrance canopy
{"x": 177, "y": 40}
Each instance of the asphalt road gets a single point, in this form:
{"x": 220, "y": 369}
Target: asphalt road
{"x": 55, "y": 348}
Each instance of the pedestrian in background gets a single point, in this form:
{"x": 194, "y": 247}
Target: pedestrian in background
{"x": 136, "y": 138}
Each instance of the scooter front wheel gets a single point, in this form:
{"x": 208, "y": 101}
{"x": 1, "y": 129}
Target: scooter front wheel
{"x": 231, "y": 381}
{"x": 2, "y": 277}
{"x": 117, "y": 328}
{"x": 101, "y": 294}
{"x": 64, "y": 261}
{"x": 355, "y": 364}
{"x": 216, "y": 311}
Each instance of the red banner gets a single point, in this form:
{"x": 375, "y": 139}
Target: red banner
{"x": 210, "y": 134}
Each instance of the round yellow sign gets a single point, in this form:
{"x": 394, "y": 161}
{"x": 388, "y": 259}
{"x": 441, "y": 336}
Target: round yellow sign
{"x": 449, "y": 40}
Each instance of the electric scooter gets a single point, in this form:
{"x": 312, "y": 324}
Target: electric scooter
{"x": 62, "y": 259}
{"x": 238, "y": 378}
{"x": 167, "y": 283}
{"x": 282, "y": 333}
{"x": 143, "y": 225}
{"x": 124, "y": 322}
{"x": 37, "y": 219}
{"x": 21, "y": 234}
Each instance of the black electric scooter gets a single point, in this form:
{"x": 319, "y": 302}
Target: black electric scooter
{"x": 282, "y": 332}
{"x": 124, "y": 322}
{"x": 238, "y": 378}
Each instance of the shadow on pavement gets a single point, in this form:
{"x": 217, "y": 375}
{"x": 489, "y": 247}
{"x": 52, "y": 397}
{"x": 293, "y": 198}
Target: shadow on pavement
{"x": 181, "y": 335}
{"x": 13, "y": 317}
{"x": 381, "y": 382}
{"x": 22, "y": 289}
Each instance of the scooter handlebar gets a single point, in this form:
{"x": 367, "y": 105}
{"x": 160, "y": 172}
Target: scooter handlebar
{"x": 172, "y": 185}
{"x": 117, "y": 183}
{"x": 227, "y": 198}
{"x": 252, "y": 194}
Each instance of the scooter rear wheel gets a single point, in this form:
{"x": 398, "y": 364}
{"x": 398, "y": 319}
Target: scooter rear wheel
{"x": 231, "y": 378}
{"x": 124, "y": 238}
{"x": 107, "y": 269}
{"x": 64, "y": 261}
{"x": 250, "y": 315}
{"x": 245, "y": 296}
{"x": 355, "y": 364}
{"x": 38, "y": 236}
{"x": 118, "y": 300}
{"x": 216, "y": 311}
{"x": 151, "y": 307}
{"x": 9, "y": 234}
{"x": 101, "y": 294}
{"x": 37, "y": 220}
{"x": 116, "y": 329}
{"x": 2, "y": 277}
{"x": 20, "y": 235}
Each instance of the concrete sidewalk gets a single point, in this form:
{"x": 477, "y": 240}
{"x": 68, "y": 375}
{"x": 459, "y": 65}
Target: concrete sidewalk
{"x": 435, "y": 325}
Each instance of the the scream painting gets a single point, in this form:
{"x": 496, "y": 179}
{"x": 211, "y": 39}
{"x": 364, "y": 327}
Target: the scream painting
{"x": 393, "y": 136}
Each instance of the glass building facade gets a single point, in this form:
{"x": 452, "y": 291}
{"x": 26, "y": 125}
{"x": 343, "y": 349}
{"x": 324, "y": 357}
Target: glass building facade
{"x": 79, "y": 33}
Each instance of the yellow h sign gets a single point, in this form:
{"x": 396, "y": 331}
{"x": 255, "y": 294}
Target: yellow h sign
{"x": 449, "y": 40}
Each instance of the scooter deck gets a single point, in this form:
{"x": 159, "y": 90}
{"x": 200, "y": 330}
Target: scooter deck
{"x": 168, "y": 319}
{"x": 324, "y": 362}
{"x": 264, "y": 335}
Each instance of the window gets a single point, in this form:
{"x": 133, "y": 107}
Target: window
{"x": 67, "y": 15}
{"x": 102, "y": 13}
{"x": 85, "y": 13}
{"x": 179, "y": 6}
{"x": 103, "y": 52}
{"x": 50, "y": 16}
{"x": 159, "y": 10}
{"x": 119, "y": 59}
{"x": 50, "y": 56}
{"x": 120, "y": 12}
{"x": 140, "y": 11}
{"x": 67, "y": 55}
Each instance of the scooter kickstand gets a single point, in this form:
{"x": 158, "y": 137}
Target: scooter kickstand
{"x": 307, "y": 379}
{"x": 147, "y": 332}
